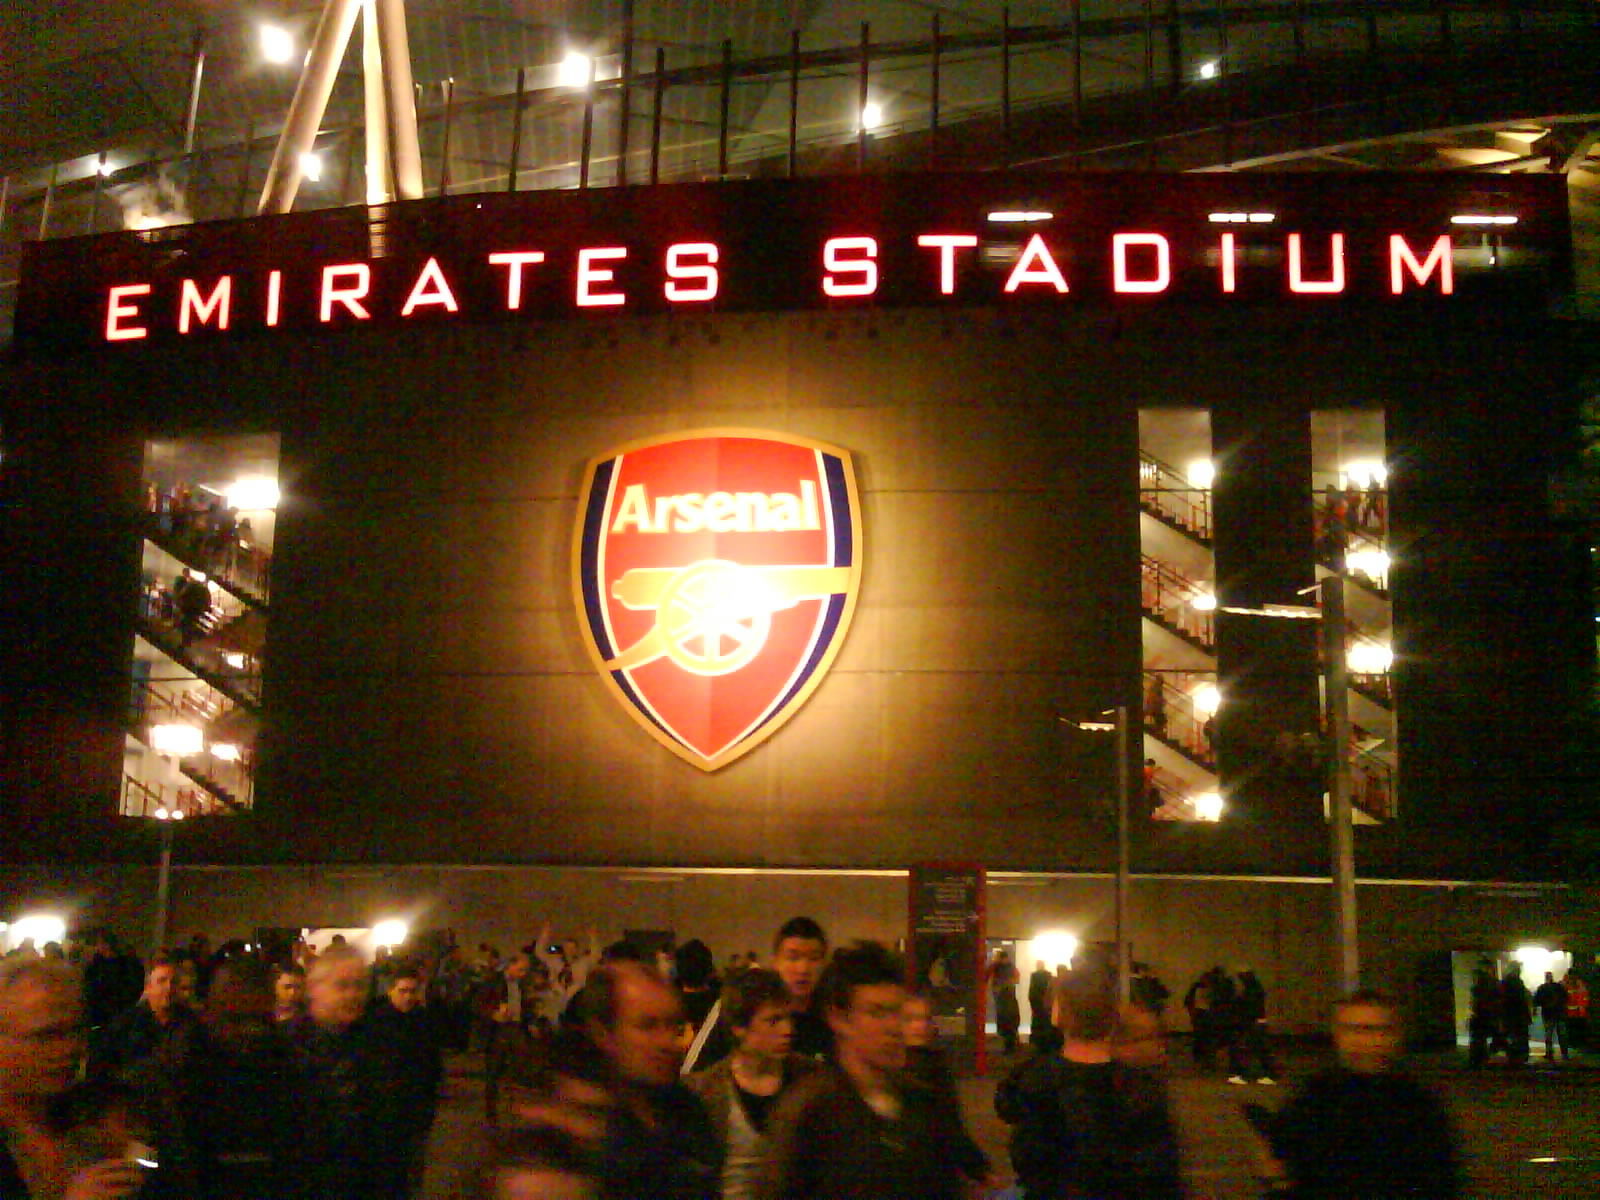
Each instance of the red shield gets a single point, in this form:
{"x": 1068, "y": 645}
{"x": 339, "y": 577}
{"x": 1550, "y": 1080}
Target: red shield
{"x": 715, "y": 573}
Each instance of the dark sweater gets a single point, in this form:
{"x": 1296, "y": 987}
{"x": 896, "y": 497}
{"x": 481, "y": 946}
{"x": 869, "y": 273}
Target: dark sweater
{"x": 829, "y": 1144}
{"x": 1350, "y": 1136}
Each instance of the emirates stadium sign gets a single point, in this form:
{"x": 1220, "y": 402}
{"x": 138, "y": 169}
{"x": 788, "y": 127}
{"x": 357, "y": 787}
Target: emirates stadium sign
{"x": 715, "y": 573}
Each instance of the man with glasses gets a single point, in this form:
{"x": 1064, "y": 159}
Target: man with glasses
{"x": 1364, "y": 1129}
{"x": 41, "y": 1047}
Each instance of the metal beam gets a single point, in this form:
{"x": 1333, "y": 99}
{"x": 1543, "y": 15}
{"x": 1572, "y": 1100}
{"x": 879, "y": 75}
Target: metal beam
{"x": 309, "y": 103}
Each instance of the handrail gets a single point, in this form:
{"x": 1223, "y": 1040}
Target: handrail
{"x": 1168, "y": 594}
{"x": 242, "y": 568}
{"x": 1170, "y": 493}
{"x": 1171, "y": 713}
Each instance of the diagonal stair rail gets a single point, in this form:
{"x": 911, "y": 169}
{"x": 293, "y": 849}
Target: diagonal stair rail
{"x": 1166, "y": 493}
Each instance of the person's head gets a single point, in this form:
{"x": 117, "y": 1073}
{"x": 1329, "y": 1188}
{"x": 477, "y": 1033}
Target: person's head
{"x": 186, "y": 986}
{"x": 405, "y": 988}
{"x": 161, "y": 985}
{"x": 518, "y": 966}
{"x": 756, "y": 1005}
{"x": 1549, "y": 976}
{"x": 798, "y": 954}
{"x": 41, "y": 1027}
{"x": 289, "y": 986}
{"x": 336, "y": 987}
{"x": 862, "y": 993}
{"x": 1083, "y": 1012}
{"x": 1367, "y": 1032}
{"x": 635, "y": 1018}
{"x": 693, "y": 965}
{"x": 916, "y": 1014}
{"x": 1137, "y": 1039}
{"x": 238, "y": 1004}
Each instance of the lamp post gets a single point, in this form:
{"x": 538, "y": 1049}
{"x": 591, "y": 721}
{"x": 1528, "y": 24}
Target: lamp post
{"x": 1341, "y": 818}
{"x": 1119, "y": 727}
{"x": 174, "y": 741}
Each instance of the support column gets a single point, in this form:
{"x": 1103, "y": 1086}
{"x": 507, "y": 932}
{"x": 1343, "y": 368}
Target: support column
{"x": 380, "y": 164}
{"x": 405, "y": 151}
{"x": 309, "y": 103}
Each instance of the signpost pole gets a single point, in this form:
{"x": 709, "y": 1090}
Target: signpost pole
{"x": 1123, "y": 954}
{"x": 1341, "y": 824}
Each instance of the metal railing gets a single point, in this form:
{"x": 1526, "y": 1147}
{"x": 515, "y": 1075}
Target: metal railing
{"x": 1173, "y": 714}
{"x": 1167, "y": 492}
{"x": 1168, "y": 596}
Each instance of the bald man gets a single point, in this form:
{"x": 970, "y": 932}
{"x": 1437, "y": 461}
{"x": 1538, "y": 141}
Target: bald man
{"x": 41, "y": 1044}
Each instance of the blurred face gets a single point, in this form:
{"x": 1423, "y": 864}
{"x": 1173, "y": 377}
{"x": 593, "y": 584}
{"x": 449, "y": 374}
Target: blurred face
{"x": 539, "y": 1183}
{"x": 289, "y": 991}
{"x": 1367, "y": 1037}
{"x": 405, "y": 994}
{"x": 769, "y": 1034}
{"x": 517, "y": 967}
{"x": 644, "y": 1044}
{"x": 41, "y": 1038}
{"x": 872, "y": 1030}
{"x": 798, "y": 962}
{"x": 161, "y": 989}
{"x": 917, "y": 1016}
{"x": 337, "y": 994}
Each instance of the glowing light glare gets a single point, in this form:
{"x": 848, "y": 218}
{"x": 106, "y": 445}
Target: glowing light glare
{"x": 1207, "y": 698}
{"x": 161, "y": 814}
{"x": 40, "y": 928}
{"x": 1372, "y": 563}
{"x": 234, "y": 659}
{"x": 1369, "y": 658}
{"x": 1364, "y": 472}
{"x": 226, "y": 751}
{"x": 277, "y": 44}
{"x": 1262, "y": 218}
{"x": 1203, "y": 602}
{"x": 1208, "y": 806}
{"x": 1208, "y": 69}
{"x": 177, "y": 740}
{"x": 1536, "y": 960}
{"x": 575, "y": 70}
{"x": 1201, "y": 473}
{"x": 252, "y": 493}
{"x": 1055, "y": 947}
{"x": 177, "y": 814}
{"x": 311, "y": 166}
{"x": 104, "y": 168}
{"x": 1483, "y": 219}
{"x": 1019, "y": 216}
{"x": 871, "y": 115}
{"x": 391, "y": 933}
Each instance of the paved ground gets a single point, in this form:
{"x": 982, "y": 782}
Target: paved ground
{"x": 1526, "y": 1132}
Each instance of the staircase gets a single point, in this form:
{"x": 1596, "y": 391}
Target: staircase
{"x": 1170, "y": 498}
{"x": 1172, "y": 717}
{"x": 1167, "y": 597}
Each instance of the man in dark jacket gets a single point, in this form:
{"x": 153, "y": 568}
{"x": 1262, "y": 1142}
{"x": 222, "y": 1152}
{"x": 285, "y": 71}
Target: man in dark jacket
{"x": 1085, "y": 1125}
{"x": 658, "y": 1140}
{"x": 851, "y": 1131}
{"x": 157, "y": 1024}
{"x": 1364, "y": 1130}
{"x": 406, "y": 1043}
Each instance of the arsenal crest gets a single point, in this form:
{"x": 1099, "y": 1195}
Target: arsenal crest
{"x": 715, "y": 573}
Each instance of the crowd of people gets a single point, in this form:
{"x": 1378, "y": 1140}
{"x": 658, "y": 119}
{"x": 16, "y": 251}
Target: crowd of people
{"x": 614, "y": 1074}
{"x": 1503, "y": 1011}
{"x": 208, "y": 532}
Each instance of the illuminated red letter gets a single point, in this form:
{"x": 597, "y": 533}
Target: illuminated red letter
{"x": 705, "y": 272}
{"x": 116, "y": 331}
{"x": 1297, "y": 277}
{"x": 1119, "y": 262}
{"x": 1230, "y": 282}
{"x": 865, "y": 268}
{"x": 1035, "y": 265}
{"x": 947, "y": 244}
{"x": 351, "y": 296}
{"x": 1438, "y": 260}
{"x": 430, "y": 288}
{"x": 274, "y": 295}
{"x": 516, "y": 260}
{"x": 589, "y": 275}
{"x": 217, "y": 304}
